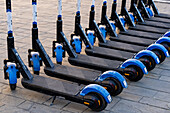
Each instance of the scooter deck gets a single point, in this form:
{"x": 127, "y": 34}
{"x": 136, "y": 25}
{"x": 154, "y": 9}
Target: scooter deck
{"x": 121, "y": 46}
{"x": 111, "y": 54}
{"x": 161, "y": 15}
{"x": 51, "y": 86}
{"x": 95, "y": 63}
{"x": 73, "y": 74}
{"x": 141, "y": 34}
{"x": 155, "y": 24}
{"x": 132, "y": 40}
{"x": 148, "y": 29}
{"x": 159, "y": 19}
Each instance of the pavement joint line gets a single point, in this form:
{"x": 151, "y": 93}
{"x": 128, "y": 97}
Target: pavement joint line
{"x": 154, "y": 106}
{"x": 163, "y": 68}
{"x": 149, "y": 88}
{"x": 137, "y": 94}
{"x": 2, "y": 105}
{"x": 21, "y": 103}
{"x": 65, "y": 105}
{"x": 161, "y": 100}
{"x": 141, "y": 99}
{"x": 155, "y": 78}
{"x": 128, "y": 99}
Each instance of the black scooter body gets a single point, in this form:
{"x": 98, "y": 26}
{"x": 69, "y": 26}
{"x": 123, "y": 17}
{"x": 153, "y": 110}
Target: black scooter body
{"x": 163, "y": 22}
{"x": 151, "y": 3}
{"x": 95, "y": 63}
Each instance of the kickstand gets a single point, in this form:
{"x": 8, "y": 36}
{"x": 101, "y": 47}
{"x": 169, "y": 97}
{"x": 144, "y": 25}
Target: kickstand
{"x": 54, "y": 97}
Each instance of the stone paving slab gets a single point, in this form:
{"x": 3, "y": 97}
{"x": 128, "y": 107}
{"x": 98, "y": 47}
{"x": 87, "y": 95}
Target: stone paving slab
{"x": 150, "y": 95}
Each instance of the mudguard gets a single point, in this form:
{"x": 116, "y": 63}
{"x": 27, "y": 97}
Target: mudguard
{"x": 167, "y": 34}
{"x": 59, "y": 52}
{"x": 36, "y": 60}
{"x": 163, "y": 39}
{"x": 160, "y": 47}
{"x": 98, "y": 89}
{"x": 12, "y": 72}
{"x": 113, "y": 74}
{"x": 149, "y": 11}
{"x": 147, "y": 53}
{"x": 136, "y": 63}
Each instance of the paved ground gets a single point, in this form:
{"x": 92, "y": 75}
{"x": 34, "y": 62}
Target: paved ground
{"x": 150, "y": 95}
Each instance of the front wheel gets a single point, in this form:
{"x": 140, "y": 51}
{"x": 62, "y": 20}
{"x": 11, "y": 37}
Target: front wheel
{"x": 95, "y": 101}
{"x": 149, "y": 62}
{"x": 113, "y": 86}
{"x": 133, "y": 73}
{"x": 13, "y": 86}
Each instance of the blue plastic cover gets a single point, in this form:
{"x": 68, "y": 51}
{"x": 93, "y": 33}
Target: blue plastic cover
{"x": 36, "y": 61}
{"x": 132, "y": 17}
{"x": 113, "y": 25}
{"x": 147, "y": 53}
{"x": 91, "y": 38}
{"x": 59, "y": 53}
{"x": 136, "y": 63}
{"x": 167, "y": 34}
{"x": 113, "y": 74}
{"x": 12, "y": 71}
{"x": 149, "y": 11}
{"x": 160, "y": 47}
{"x": 103, "y": 31}
{"x": 123, "y": 21}
{"x": 97, "y": 89}
{"x": 77, "y": 44}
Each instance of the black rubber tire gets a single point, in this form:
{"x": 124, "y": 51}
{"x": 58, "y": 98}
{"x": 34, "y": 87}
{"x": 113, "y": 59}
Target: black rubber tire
{"x": 150, "y": 65}
{"x": 160, "y": 55}
{"x": 115, "y": 87}
{"x": 135, "y": 72}
{"x": 95, "y": 97}
{"x": 12, "y": 86}
{"x": 166, "y": 45}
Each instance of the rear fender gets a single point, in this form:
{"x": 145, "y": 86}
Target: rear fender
{"x": 160, "y": 47}
{"x": 136, "y": 63}
{"x": 94, "y": 88}
{"x": 113, "y": 74}
{"x": 147, "y": 53}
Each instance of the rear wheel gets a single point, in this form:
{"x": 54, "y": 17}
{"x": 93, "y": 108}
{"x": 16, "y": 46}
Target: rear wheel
{"x": 166, "y": 45}
{"x": 95, "y": 101}
{"x": 149, "y": 62}
{"x": 133, "y": 73}
{"x": 113, "y": 86}
{"x": 36, "y": 72}
{"x": 160, "y": 54}
{"x": 13, "y": 86}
